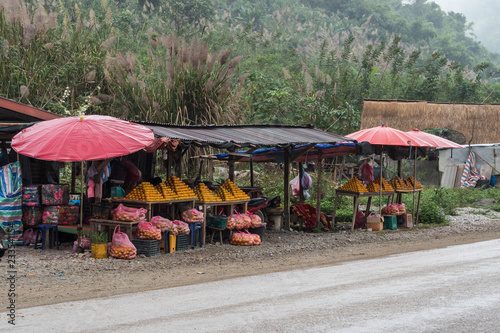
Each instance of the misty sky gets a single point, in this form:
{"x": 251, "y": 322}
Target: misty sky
{"x": 484, "y": 14}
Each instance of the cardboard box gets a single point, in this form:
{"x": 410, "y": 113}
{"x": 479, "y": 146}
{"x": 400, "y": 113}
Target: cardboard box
{"x": 405, "y": 221}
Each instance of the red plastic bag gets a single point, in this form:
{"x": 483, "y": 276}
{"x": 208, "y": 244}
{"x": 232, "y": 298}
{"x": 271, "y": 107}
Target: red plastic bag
{"x": 121, "y": 246}
{"x": 146, "y": 230}
{"x": 123, "y": 213}
{"x": 359, "y": 221}
{"x": 161, "y": 223}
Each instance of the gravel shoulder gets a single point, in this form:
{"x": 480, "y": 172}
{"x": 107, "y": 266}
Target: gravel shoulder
{"x": 51, "y": 276}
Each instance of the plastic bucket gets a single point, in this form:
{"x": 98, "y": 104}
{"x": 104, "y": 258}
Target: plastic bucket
{"x": 274, "y": 222}
{"x": 99, "y": 251}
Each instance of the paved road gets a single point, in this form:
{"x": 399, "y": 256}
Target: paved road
{"x": 456, "y": 289}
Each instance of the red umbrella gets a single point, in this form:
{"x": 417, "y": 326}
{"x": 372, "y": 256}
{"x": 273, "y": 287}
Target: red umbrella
{"x": 81, "y": 138}
{"x": 387, "y": 136}
{"x": 434, "y": 140}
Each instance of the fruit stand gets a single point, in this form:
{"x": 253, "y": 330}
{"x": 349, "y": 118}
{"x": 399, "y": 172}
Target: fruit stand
{"x": 354, "y": 188}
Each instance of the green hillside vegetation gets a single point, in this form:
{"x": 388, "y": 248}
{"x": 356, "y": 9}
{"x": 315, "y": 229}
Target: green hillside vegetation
{"x": 201, "y": 61}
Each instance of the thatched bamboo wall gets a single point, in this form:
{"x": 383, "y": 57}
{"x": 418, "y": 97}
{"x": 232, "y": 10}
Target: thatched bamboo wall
{"x": 482, "y": 119}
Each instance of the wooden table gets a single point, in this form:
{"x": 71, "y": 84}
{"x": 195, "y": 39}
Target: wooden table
{"x": 399, "y": 200}
{"x": 230, "y": 204}
{"x": 356, "y": 196}
{"x": 96, "y": 224}
{"x": 149, "y": 205}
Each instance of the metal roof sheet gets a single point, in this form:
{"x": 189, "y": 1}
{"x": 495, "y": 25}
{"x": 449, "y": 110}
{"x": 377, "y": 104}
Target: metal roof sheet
{"x": 245, "y": 135}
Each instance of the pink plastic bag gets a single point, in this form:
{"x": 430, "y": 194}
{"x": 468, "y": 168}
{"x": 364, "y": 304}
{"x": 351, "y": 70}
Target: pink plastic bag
{"x": 162, "y": 223}
{"x": 123, "y": 213}
{"x": 256, "y": 220}
{"x": 146, "y": 230}
{"x": 29, "y": 236}
{"x": 179, "y": 228}
{"x": 121, "y": 246}
{"x": 192, "y": 216}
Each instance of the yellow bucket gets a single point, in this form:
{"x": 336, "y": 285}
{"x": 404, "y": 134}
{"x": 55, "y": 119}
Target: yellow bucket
{"x": 99, "y": 251}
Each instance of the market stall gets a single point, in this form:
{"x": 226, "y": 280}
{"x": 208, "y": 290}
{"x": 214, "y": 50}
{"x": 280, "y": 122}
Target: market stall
{"x": 384, "y": 136}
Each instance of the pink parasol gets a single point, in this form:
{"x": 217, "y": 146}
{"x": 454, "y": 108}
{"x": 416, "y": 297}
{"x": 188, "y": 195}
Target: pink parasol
{"x": 434, "y": 140}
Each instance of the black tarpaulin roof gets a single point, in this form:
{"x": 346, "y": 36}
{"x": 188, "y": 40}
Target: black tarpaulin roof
{"x": 236, "y": 136}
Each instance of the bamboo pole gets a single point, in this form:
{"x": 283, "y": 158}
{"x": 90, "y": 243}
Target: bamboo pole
{"x": 318, "y": 192}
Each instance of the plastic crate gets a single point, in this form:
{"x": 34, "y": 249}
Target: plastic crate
{"x": 182, "y": 243}
{"x": 217, "y": 221}
{"x": 390, "y": 222}
{"x": 148, "y": 247}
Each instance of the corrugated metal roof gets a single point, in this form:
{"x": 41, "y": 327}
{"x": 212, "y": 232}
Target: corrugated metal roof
{"x": 245, "y": 135}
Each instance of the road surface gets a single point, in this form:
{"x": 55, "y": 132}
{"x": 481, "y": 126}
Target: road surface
{"x": 455, "y": 289}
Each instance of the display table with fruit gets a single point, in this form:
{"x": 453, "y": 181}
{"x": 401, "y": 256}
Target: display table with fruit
{"x": 228, "y": 195}
{"x": 171, "y": 192}
{"x": 354, "y": 188}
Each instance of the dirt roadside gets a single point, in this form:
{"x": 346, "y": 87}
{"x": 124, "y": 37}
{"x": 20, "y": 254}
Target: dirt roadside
{"x": 51, "y": 276}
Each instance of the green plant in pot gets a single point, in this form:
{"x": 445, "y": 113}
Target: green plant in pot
{"x": 99, "y": 245}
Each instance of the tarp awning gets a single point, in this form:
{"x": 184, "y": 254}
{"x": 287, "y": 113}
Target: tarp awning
{"x": 276, "y": 154}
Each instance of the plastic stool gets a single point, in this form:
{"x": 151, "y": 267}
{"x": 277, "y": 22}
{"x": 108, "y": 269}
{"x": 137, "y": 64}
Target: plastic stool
{"x": 44, "y": 229}
{"x": 192, "y": 230}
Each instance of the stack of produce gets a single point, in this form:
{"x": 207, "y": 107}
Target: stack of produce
{"x": 205, "y": 194}
{"x": 225, "y": 194}
{"x": 399, "y": 184}
{"x": 353, "y": 185}
{"x": 412, "y": 181}
{"x": 166, "y": 191}
{"x": 180, "y": 188}
{"x": 122, "y": 252}
{"x": 390, "y": 210}
{"x": 386, "y": 187}
{"x": 235, "y": 190}
{"x": 145, "y": 191}
{"x": 245, "y": 239}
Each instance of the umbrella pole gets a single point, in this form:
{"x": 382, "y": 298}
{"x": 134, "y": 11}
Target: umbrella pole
{"x": 81, "y": 208}
{"x": 380, "y": 193}
{"x": 414, "y": 181}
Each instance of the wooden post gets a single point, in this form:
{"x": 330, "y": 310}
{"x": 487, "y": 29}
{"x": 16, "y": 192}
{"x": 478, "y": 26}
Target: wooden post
{"x": 318, "y": 194}
{"x": 231, "y": 166}
{"x": 400, "y": 169}
{"x": 210, "y": 170}
{"x": 251, "y": 172}
{"x": 73, "y": 177}
{"x": 301, "y": 190}
{"x": 286, "y": 194}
